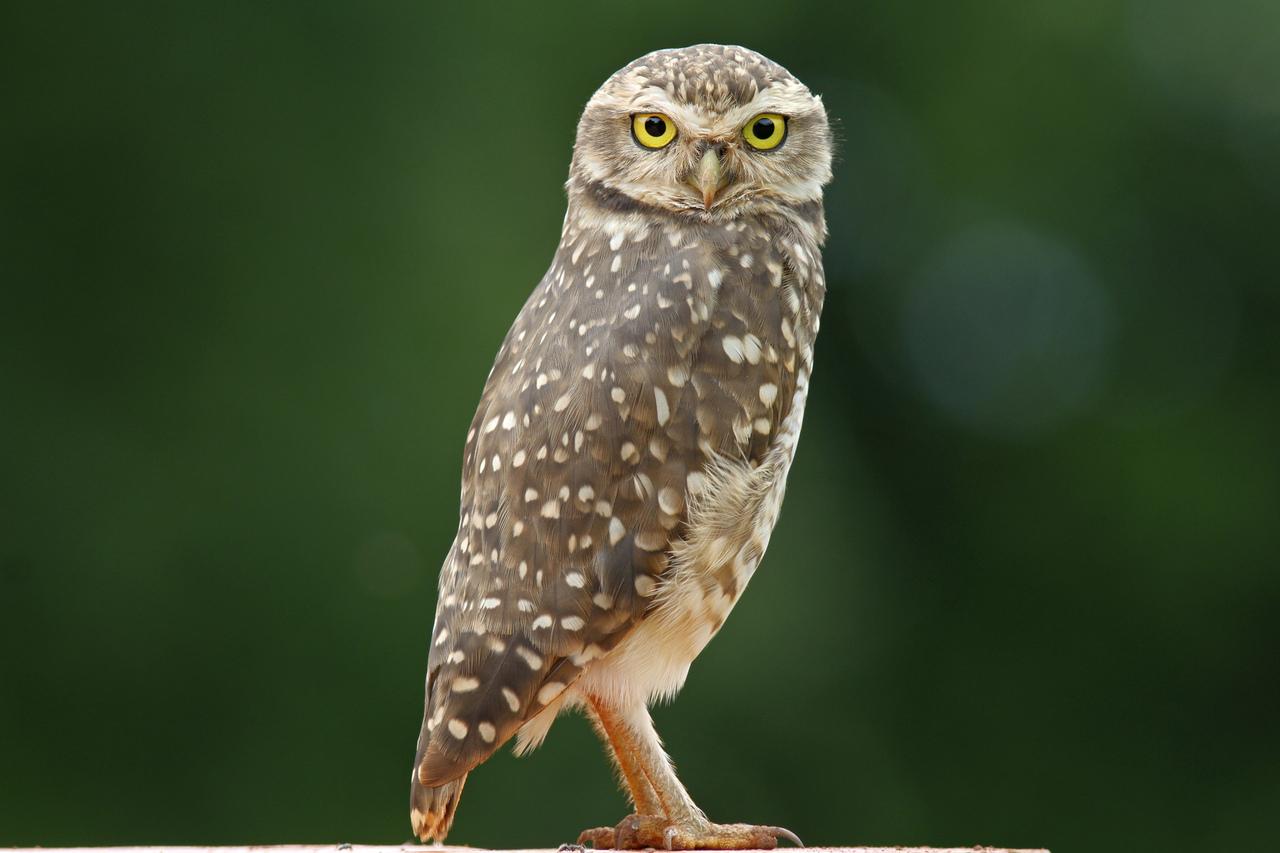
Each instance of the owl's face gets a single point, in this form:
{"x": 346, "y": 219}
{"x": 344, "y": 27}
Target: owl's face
{"x": 708, "y": 131}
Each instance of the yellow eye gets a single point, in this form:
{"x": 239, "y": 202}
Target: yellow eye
{"x": 765, "y": 131}
{"x": 653, "y": 130}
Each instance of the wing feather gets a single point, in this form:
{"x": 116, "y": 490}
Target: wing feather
{"x": 618, "y": 381}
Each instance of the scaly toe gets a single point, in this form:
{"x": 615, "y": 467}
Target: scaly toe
{"x": 641, "y": 832}
{"x": 633, "y": 832}
{"x": 600, "y": 838}
{"x": 728, "y": 836}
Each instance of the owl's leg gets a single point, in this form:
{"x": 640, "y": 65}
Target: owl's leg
{"x": 680, "y": 825}
{"x": 613, "y": 732}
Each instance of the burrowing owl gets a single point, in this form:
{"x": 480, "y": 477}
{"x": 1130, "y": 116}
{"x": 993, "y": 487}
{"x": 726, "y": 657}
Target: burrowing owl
{"x": 627, "y": 462}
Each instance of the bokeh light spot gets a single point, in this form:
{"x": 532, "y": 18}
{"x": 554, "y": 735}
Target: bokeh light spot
{"x": 1007, "y": 331}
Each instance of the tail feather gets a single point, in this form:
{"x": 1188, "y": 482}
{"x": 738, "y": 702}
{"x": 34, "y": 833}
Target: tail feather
{"x": 432, "y": 808}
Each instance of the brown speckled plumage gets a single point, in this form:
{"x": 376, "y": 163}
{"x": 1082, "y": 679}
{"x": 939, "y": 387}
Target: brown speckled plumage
{"x": 626, "y": 463}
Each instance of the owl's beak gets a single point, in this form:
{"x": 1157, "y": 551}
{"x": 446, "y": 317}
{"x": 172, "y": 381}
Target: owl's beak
{"x": 709, "y": 177}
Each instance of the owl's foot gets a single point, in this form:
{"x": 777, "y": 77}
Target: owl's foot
{"x": 639, "y": 832}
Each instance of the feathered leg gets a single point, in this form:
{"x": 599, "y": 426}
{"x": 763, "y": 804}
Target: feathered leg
{"x": 611, "y": 730}
{"x": 679, "y": 824}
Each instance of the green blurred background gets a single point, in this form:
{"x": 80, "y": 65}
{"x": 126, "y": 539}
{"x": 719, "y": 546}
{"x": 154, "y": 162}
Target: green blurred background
{"x": 256, "y": 260}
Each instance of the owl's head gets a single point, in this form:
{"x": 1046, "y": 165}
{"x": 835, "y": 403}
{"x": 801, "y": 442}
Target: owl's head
{"x": 711, "y": 131}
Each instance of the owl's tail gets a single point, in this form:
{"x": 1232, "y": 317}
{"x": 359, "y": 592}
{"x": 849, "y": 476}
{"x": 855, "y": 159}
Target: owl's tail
{"x": 432, "y": 809}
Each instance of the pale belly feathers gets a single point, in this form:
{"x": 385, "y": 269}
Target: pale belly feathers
{"x": 730, "y": 523}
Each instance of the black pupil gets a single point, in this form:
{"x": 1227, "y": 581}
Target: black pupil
{"x": 655, "y": 126}
{"x": 763, "y": 128}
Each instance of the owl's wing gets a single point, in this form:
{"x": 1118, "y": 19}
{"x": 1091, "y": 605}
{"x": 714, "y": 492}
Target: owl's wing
{"x": 615, "y": 388}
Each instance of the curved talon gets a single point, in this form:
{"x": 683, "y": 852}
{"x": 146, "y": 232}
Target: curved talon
{"x": 782, "y": 832}
{"x": 627, "y": 833}
{"x": 668, "y": 835}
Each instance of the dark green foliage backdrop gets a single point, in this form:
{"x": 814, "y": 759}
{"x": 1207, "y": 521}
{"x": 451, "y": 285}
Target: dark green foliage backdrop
{"x": 256, "y": 259}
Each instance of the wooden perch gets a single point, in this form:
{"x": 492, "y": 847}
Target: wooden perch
{"x": 407, "y": 848}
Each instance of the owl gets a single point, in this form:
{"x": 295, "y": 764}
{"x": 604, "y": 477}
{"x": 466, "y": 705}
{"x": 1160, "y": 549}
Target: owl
{"x": 626, "y": 464}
